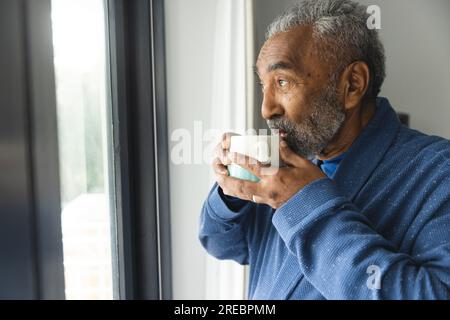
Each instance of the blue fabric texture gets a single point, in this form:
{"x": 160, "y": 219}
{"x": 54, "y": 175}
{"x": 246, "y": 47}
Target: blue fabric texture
{"x": 376, "y": 228}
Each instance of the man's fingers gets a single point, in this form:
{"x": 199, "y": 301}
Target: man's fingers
{"x": 221, "y": 160}
{"x": 289, "y": 157}
{"x": 218, "y": 167}
{"x": 222, "y": 154}
{"x": 225, "y": 158}
{"x": 250, "y": 164}
{"x": 223, "y": 147}
{"x": 226, "y": 140}
{"x": 238, "y": 188}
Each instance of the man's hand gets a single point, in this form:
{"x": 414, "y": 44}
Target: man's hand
{"x": 273, "y": 189}
{"x": 222, "y": 160}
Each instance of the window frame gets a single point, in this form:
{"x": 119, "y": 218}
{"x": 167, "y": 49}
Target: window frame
{"x": 32, "y": 234}
{"x": 137, "y": 54}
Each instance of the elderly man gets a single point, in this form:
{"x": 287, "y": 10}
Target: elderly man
{"x": 369, "y": 216}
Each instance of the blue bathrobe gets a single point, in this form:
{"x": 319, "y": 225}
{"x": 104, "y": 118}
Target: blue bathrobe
{"x": 379, "y": 228}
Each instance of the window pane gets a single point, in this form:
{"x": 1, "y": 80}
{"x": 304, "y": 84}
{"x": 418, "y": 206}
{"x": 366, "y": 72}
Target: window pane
{"x": 81, "y": 67}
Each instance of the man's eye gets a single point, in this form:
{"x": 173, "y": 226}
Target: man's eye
{"x": 282, "y": 83}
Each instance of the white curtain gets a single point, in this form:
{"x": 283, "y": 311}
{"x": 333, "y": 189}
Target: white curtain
{"x": 231, "y": 103}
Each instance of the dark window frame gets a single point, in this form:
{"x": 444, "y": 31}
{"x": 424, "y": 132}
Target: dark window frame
{"x": 32, "y": 208}
{"x": 141, "y": 148}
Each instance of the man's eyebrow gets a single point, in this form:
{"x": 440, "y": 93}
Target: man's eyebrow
{"x": 275, "y": 66}
{"x": 280, "y": 65}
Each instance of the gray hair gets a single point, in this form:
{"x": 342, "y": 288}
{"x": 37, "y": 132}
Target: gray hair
{"x": 341, "y": 35}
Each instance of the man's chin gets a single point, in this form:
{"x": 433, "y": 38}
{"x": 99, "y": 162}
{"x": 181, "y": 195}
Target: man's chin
{"x": 302, "y": 152}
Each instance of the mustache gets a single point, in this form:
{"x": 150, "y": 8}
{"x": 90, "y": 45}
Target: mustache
{"x": 280, "y": 124}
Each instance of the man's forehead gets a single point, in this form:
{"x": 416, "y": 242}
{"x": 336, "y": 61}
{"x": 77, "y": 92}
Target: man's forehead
{"x": 284, "y": 51}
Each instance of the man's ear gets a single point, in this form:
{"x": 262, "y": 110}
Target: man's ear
{"x": 354, "y": 84}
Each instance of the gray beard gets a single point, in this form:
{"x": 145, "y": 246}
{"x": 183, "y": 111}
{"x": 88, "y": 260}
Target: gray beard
{"x": 312, "y": 134}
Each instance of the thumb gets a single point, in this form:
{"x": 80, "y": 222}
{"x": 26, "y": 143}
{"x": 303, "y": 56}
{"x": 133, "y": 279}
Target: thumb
{"x": 289, "y": 157}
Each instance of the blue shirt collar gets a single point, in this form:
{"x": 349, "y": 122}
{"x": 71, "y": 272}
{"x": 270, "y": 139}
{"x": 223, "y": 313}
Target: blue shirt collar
{"x": 330, "y": 166}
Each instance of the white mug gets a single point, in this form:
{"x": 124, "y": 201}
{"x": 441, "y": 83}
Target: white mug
{"x": 264, "y": 149}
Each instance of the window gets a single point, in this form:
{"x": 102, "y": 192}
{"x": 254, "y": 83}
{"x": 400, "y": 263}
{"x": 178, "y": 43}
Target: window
{"x": 84, "y": 126}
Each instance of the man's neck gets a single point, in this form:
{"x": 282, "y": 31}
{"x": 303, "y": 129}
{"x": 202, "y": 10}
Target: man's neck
{"x": 356, "y": 121}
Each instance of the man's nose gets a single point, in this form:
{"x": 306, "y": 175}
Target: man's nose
{"x": 271, "y": 108}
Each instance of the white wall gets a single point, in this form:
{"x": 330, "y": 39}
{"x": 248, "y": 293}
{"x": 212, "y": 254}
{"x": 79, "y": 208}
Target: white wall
{"x": 416, "y": 35}
{"x": 189, "y": 46}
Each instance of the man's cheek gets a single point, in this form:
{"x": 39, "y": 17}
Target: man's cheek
{"x": 296, "y": 109}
